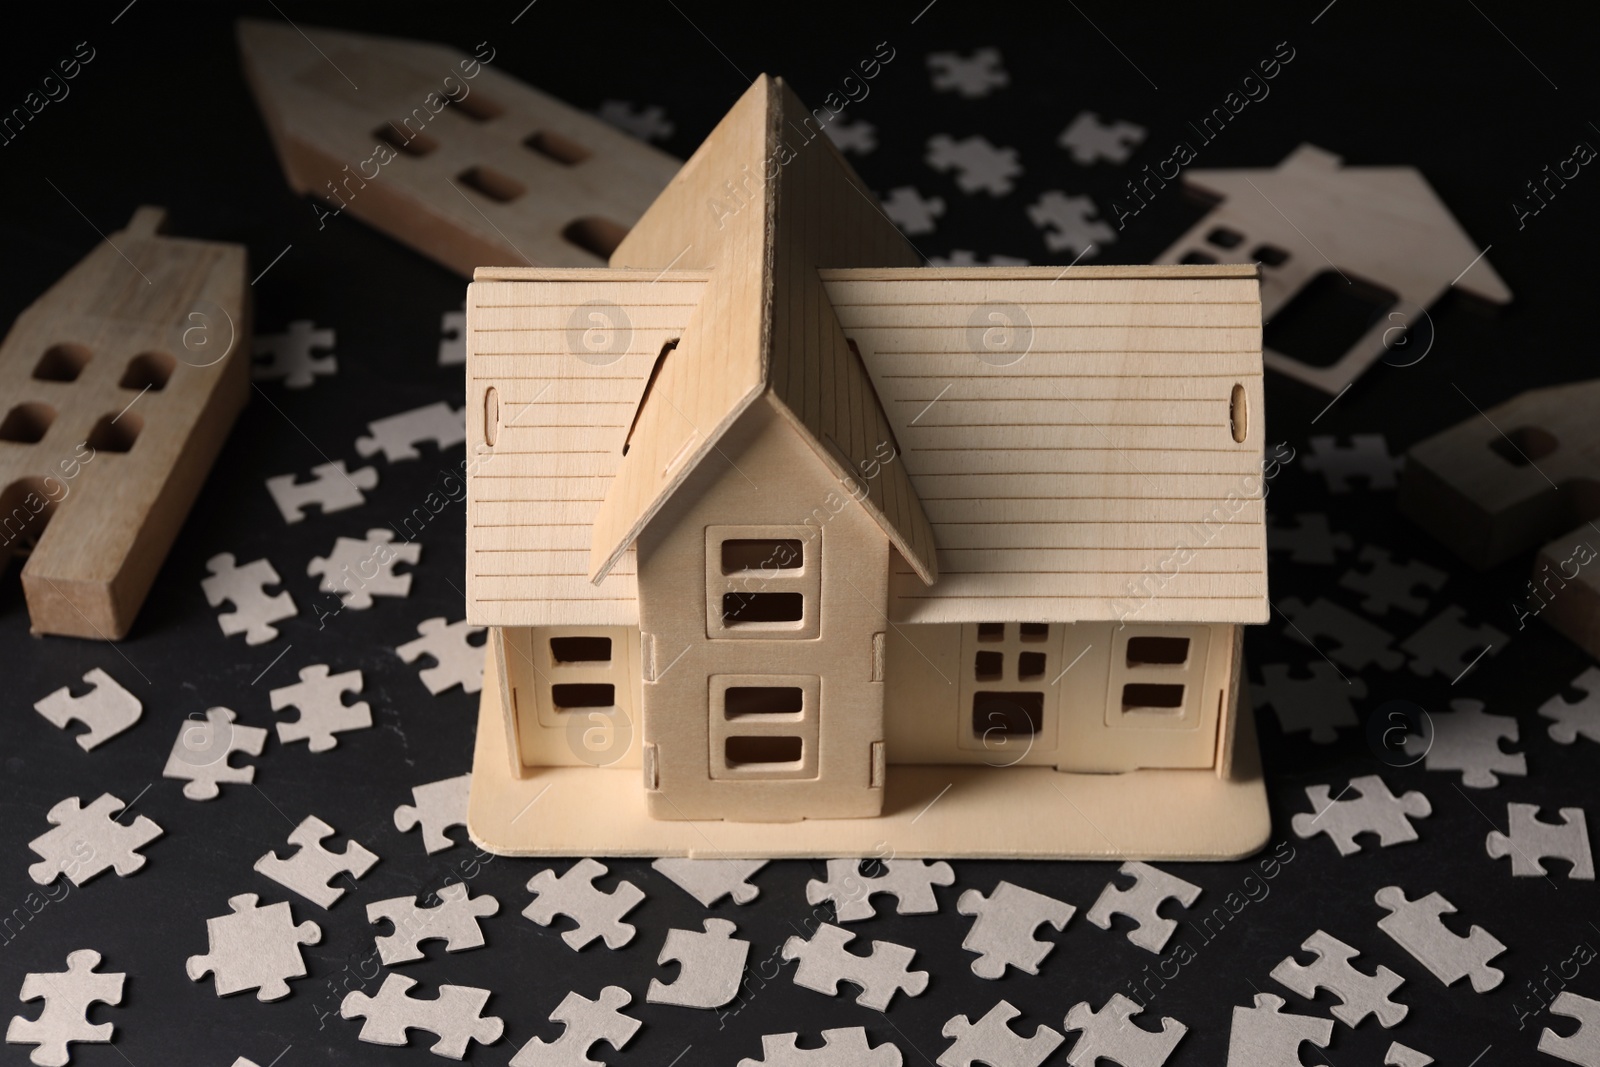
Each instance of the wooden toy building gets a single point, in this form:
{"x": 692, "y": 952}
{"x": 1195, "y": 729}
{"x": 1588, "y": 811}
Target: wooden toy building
{"x": 771, "y": 524}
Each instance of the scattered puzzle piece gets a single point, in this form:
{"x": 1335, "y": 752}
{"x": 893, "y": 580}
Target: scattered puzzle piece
{"x": 67, "y": 997}
{"x": 972, "y": 76}
{"x": 1357, "y": 643}
{"x": 200, "y": 754}
{"x": 1266, "y": 1036}
{"x": 1360, "y": 994}
{"x": 1366, "y": 458}
{"x": 911, "y": 883}
{"x": 708, "y": 881}
{"x": 1401, "y": 1056}
{"x": 1532, "y": 840}
{"x": 331, "y": 488}
{"x": 435, "y": 806}
{"x": 1318, "y": 705}
{"x": 254, "y": 948}
{"x": 453, "y": 920}
{"x": 857, "y": 136}
{"x": 254, "y": 611}
{"x": 457, "y": 660}
{"x": 1416, "y": 927}
{"x": 1090, "y": 140}
{"x": 452, "y": 338}
{"x": 597, "y": 913}
{"x": 1572, "y": 718}
{"x": 455, "y": 1016}
{"x": 843, "y": 1047}
{"x": 360, "y": 570}
{"x": 1375, "y": 810}
{"x": 1070, "y": 223}
{"x": 1467, "y": 739}
{"x": 398, "y": 435}
{"x": 1002, "y": 933}
{"x": 107, "y": 709}
{"x": 88, "y": 841}
{"x": 825, "y": 962}
{"x": 991, "y": 1041}
{"x": 978, "y": 165}
{"x": 645, "y": 123}
{"x": 1447, "y": 644}
{"x": 712, "y": 965}
{"x": 312, "y": 866}
{"x": 587, "y": 1022}
{"x": 319, "y": 697}
{"x": 911, "y": 211}
{"x": 1387, "y": 584}
{"x": 1309, "y": 540}
{"x": 1583, "y": 1047}
{"x": 1111, "y": 1033}
{"x": 1142, "y": 903}
{"x": 292, "y": 355}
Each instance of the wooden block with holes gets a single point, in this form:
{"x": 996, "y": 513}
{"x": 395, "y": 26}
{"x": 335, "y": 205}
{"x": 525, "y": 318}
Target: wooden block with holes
{"x": 1522, "y": 475}
{"x": 1365, "y": 251}
{"x": 771, "y": 524}
{"x": 120, "y": 384}
{"x": 443, "y": 152}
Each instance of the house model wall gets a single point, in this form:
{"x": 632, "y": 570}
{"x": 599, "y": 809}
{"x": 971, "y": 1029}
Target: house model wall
{"x": 771, "y": 524}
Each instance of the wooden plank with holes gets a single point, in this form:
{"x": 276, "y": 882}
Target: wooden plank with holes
{"x": 121, "y": 383}
{"x": 443, "y": 152}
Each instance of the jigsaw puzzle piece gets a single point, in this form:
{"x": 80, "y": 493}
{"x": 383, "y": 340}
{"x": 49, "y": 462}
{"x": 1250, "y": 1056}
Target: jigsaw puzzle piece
{"x": 107, "y": 709}
{"x": 254, "y": 611}
{"x": 200, "y": 754}
{"x": 1532, "y": 840}
{"x": 573, "y": 894}
{"x": 331, "y": 488}
{"x": 1142, "y": 904}
{"x": 1415, "y": 925}
{"x": 712, "y": 964}
{"x": 587, "y": 1022}
{"x": 1002, "y": 934}
{"x": 1374, "y": 810}
{"x": 456, "y": 660}
{"x": 435, "y": 806}
{"x": 455, "y": 1016}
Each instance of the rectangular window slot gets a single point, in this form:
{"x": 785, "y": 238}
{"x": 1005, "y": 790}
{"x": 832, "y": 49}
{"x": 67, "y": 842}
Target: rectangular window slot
{"x": 553, "y": 146}
{"x": 988, "y": 666}
{"x": 762, "y": 750}
{"x": 1146, "y": 697}
{"x": 412, "y": 144}
{"x": 594, "y": 234}
{"x": 1007, "y": 714}
{"x": 760, "y": 554}
{"x": 1030, "y": 665}
{"x": 1035, "y": 631}
{"x": 566, "y": 650}
{"x": 476, "y": 107}
{"x": 739, "y": 701}
{"x": 573, "y": 696}
{"x": 991, "y": 631}
{"x": 491, "y": 183}
{"x": 746, "y": 609}
{"x": 1157, "y": 651}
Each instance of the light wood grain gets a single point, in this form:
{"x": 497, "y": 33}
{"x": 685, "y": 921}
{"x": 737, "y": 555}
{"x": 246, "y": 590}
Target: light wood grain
{"x": 331, "y": 98}
{"x": 138, "y": 299}
{"x": 1381, "y": 225}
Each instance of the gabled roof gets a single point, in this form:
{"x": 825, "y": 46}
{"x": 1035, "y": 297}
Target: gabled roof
{"x": 1105, "y": 464}
{"x": 764, "y": 202}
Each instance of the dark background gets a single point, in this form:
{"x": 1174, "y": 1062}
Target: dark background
{"x": 162, "y": 116}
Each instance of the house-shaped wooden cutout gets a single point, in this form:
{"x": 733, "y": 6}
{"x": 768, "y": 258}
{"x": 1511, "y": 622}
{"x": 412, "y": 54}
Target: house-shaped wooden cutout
{"x": 1383, "y": 229}
{"x": 772, "y": 525}
{"x": 119, "y": 386}
{"x": 442, "y": 151}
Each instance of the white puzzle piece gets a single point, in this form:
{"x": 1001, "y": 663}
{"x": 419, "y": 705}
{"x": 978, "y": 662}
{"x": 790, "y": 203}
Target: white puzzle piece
{"x": 1002, "y": 933}
{"x": 1141, "y": 903}
{"x": 310, "y": 868}
{"x": 67, "y": 997}
{"x": 200, "y": 754}
{"x": 254, "y": 948}
{"x": 1416, "y": 927}
{"x": 107, "y": 709}
{"x": 455, "y": 1016}
{"x": 88, "y": 841}
{"x": 254, "y": 611}
{"x": 712, "y": 964}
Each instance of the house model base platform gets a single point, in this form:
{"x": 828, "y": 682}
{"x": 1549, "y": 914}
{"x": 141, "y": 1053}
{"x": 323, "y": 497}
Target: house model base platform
{"x": 929, "y": 812}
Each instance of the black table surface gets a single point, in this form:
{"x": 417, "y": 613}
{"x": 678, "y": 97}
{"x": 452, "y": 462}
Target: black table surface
{"x": 1480, "y": 97}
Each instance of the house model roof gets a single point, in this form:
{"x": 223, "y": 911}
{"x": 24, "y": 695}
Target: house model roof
{"x": 1068, "y": 445}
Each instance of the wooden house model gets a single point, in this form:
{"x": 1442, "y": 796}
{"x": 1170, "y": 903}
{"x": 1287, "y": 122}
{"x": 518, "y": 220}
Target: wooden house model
{"x": 772, "y": 525}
